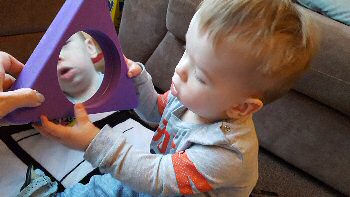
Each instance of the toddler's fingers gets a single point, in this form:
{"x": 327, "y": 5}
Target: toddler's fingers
{"x": 134, "y": 70}
{"x": 126, "y": 59}
{"x": 52, "y": 129}
{"x": 130, "y": 74}
{"x": 80, "y": 113}
{"x": 44, "y": 132}
{"x": 41, "y": 129}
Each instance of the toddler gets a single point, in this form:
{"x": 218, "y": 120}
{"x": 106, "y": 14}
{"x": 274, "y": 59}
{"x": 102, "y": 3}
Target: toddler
{"x": 240, "y": 55}
{"x": 76, "y": 71}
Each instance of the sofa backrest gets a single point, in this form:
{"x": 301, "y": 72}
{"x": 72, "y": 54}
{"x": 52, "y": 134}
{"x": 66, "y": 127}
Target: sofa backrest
{"x": 23, "y": 23}
{"x": 328, "y": 80}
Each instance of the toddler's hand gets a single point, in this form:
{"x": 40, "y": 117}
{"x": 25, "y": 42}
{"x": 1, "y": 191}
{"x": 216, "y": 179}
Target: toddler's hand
{"x": 133, "y": 68}
{"x": 77, "y": 137}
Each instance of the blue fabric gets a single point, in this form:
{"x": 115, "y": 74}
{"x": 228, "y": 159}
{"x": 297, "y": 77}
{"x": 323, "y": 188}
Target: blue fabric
{"x": 40, "y": 186}
{"x": 336, "y": 9}
{"x": 101, "y": 186}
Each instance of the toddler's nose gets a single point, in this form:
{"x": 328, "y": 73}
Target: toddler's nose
{"x": 60, "y": 59}
{"x": 182, "y": 72}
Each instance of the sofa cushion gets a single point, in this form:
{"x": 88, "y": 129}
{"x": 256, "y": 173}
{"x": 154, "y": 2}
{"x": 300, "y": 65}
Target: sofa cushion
{"x": 161, "y": 65}
{"x": 179, "y": 16}
{"x": 309, "y": 135}
{"x": 31, "y": 16}
{"x": 133, "y": 26}
{"x": 336, "y": 9}
{"x": 328, "y": 80}
{"x": 20, "y": 46}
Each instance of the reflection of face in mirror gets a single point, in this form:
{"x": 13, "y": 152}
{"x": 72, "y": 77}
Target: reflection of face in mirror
{"x": 76, "y": 71}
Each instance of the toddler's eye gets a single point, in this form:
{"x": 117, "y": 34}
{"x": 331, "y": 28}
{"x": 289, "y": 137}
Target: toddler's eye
{"x": 197, "y": 78}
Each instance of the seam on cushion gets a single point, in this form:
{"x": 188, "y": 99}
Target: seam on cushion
{"x": 346, "y": 82}
{"x": 326, "y": 102}
{"x": 155, "y": 47}
{"x": 161, "y": 38}
{"x": 183, "y": 43}
{"x": 160, "y": 42}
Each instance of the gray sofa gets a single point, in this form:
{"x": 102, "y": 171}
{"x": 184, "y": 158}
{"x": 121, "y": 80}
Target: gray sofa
{"x": 309, "y": 127}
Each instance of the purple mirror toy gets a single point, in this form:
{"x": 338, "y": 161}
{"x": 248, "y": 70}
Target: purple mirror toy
{"x": 116, "y": 92}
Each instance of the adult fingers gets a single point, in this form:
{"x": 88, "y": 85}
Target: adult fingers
{"x": 2, "y": 78}
{"x": 24, "y": 97}
{"x": 9, "y": 64}
{"x": 8, "y": 81}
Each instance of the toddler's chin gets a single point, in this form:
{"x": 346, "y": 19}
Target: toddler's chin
{"x": 173, "y": 90}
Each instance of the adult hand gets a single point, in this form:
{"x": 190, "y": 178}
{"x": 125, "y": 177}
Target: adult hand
{"x": 133, "y": 68}
{"x": 77, "y": 137}
{"x": 11, "y": 100}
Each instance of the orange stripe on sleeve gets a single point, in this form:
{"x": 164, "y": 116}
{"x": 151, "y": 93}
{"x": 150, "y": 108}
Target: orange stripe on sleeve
{"x": 162, "y": 101}
{"x": 186, "y": 170}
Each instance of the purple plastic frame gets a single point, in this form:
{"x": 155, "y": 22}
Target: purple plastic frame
{"x": 117, "y": 91}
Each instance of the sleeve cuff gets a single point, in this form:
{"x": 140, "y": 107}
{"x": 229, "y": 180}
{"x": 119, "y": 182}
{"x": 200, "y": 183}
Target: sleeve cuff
{"x": 102, "y": 146}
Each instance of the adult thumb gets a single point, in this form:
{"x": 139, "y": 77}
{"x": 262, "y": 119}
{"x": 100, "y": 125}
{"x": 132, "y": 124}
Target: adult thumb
{"x": 24, "y": 97}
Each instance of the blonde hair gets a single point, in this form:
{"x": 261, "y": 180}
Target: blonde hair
{"x": 276, "y": 32}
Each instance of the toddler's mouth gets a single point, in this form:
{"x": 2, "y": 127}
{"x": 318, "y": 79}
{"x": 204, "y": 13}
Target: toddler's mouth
{"x": 66, "y": 73}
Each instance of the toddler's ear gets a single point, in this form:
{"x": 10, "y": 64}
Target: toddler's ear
{"x": 250, "y": 106}
{"x": 91, "y": 48}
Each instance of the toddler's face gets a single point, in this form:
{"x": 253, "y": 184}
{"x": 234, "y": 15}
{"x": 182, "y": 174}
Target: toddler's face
{"x": 75, "y": 70}
{"x": 209, "y": 81}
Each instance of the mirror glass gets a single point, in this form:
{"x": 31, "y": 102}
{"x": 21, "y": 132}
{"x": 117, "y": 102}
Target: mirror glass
{"x": 80, "y": 68}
